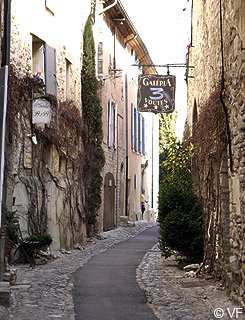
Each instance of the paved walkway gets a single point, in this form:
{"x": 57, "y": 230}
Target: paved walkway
{"x": 106, "y": 288}
{"x": 45, "y": 292}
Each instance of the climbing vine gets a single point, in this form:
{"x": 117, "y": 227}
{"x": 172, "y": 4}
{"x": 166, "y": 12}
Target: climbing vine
{"x": 63, "y": 136}
{"x": 92, "y": 115}
{"x": 211, "y": 140}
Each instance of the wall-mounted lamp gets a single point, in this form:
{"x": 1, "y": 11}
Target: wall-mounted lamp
{"x": 33, "y": 137}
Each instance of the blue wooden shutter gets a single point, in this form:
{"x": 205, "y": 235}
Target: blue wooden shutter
{"x": 110, "y": 121}
{"x": 115, "y": 126}
{"x": 143, "y": 135}
{"x": 140, "y": 132}
{"x": 132, "y": 126}
{"x": 136, "y": 130}
{"x": 50, "y": 69}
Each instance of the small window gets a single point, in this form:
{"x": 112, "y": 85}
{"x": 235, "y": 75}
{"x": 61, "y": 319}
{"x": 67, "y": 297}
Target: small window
{"x": 112, "y": 124}
{"x": 37, "y": 56}
{"x": 100, "y": 58}
{"x": 110, "y": 62}
{"x": 100, "y": 66}
{"x": 136, "y": 129}
{"x": 100, "y": 49}
{"x": 44, "y": 62}
{"x": 68, "y": 72}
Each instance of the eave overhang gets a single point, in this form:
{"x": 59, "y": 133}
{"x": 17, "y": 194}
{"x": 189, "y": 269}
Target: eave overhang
{"x": 120, "y": 19}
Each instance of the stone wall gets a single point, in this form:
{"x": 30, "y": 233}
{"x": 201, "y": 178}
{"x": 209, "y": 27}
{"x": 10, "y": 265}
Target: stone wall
{"x": 44, "y": 183}
{"x": 227, "y": 187}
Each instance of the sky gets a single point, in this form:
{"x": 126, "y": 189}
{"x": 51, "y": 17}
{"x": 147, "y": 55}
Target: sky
{"x": 164, "y": 27}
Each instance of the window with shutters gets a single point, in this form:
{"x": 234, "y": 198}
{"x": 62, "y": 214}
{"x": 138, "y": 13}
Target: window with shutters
{"x": 110, "y": 62}
{"x": 44, "y": 61}
{"x": 37, "y": 56}
{"x": 100, "y": 58}
{"x": 112, "y": 124}
{"x": 137, "y": 130}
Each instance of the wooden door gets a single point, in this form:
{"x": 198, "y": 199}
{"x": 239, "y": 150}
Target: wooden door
{"x": 109, "y": 202}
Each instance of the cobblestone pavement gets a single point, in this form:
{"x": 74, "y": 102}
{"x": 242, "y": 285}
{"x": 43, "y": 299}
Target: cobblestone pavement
{"x": 172, "y": 296}
{"x": 45, "y": 292}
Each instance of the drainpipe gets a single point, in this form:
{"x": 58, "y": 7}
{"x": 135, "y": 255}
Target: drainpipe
{"x": 109, "y": 7}
{"x": 126, "y": 113}
{"x": 117, "y": 178}
{"x": 3, "y": 188}
{"x": 6, "y": 37}
{"x": 126, "y": 165}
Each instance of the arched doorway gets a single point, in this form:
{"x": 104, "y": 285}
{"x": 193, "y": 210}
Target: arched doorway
{"x": 109, "y": 202}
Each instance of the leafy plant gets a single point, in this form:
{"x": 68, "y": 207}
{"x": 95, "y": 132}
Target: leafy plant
{"x": 180, "y": 214}
{"x": 31, "y": 244}
{"x": 41, "y": 240}
{"x": 12, "y": 225}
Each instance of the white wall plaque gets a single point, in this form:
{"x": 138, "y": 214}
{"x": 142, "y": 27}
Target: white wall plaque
{"x": 41, "y": 111}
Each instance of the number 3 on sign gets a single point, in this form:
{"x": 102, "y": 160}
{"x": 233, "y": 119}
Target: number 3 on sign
{"x": 157, "y": 91}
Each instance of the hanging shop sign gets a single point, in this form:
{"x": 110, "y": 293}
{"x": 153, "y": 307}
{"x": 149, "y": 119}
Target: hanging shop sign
{"x": 156, "y": 93}
{"x": 41, "y": 111}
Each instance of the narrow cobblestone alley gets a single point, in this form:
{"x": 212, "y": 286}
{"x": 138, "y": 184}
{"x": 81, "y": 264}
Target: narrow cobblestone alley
{"x": 45, "y": 292}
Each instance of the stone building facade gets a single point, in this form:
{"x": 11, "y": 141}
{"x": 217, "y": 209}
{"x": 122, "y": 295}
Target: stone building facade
{"x": 45, "y": 160}
{"x": 216, "y": 111}
{"x": 44, "y": 185}
{"x": 119, "y": 47}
